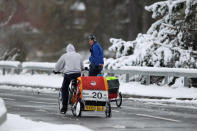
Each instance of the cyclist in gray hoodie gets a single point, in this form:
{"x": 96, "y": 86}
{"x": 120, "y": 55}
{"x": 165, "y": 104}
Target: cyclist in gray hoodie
{"x": 70, "y": 64}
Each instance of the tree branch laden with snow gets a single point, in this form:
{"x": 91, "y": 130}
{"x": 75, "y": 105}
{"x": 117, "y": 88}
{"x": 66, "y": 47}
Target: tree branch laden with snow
{"x": 168, "y": 42}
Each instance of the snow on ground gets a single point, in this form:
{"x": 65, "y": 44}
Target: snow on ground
{"x": 17, "y": 123}
{"x": 159, "y": 69}
{"x": 2, "y": 108}
{"x": 173, "y": 102}
{"x": 10, "y": 63}
{"x": 53, "y": 81}
{"x": 134, "y": 88}
{"x": 38, "y": 64}
{"x": 131, "y": 88}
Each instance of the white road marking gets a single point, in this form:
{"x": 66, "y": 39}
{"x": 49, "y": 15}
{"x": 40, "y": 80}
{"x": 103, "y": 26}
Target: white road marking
{"x": 9, "y": 99}
{"x": 121, "y": 118}
{"x": 119, "y": 126}
{"x": 41, "y": 110}
{"x": 38, "y": 102}
{"x": 115, "y": 111}
{"x": 130, "y": 108}
{"x": 156, "y": 117}
{"x": 38, "y": 106}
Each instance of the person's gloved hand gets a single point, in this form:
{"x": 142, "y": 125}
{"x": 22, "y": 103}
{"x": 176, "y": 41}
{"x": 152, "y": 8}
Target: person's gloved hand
{"x": 55, "y": 72}
{"x": 86, "y": 68}
{"x": 101, "y": 65}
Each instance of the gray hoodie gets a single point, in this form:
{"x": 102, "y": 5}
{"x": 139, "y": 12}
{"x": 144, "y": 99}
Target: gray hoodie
{"x": 69, "y": 62}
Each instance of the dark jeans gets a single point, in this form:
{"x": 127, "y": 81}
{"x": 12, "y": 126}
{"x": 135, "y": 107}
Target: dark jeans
{"x": 65, "y": 86}
{"x": 95, "y": 70}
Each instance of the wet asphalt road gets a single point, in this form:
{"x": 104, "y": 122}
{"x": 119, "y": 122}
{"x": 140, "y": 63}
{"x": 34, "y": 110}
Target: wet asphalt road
{"x": 134, "y": 114}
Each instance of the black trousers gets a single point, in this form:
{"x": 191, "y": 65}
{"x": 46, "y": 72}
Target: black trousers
{"x": 94, "y": 70}
{"x": 65, "y": 86}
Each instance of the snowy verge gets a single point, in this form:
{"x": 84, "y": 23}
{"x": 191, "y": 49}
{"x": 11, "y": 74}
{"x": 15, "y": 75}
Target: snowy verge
{"x": 48, "y": 81}
{"x": 3, "y": 112}
{"x": 17, "y": 123}
{"x": 136, "y": 89}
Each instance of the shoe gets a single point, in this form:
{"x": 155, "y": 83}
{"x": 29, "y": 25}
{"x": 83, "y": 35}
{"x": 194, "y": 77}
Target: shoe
{"x": 63, "y": 110}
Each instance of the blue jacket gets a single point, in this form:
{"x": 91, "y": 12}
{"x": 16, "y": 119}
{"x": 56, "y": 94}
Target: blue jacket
{"x": 96, "y": 54}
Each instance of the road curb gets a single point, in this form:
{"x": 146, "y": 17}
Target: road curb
{"x": 147, "y": 97}
{"x": 154, "y": 97}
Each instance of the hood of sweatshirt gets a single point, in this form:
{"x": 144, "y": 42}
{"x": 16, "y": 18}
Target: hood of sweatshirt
{"x": 70, "y": 48}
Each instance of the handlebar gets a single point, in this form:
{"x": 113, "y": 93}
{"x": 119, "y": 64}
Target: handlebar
{"x": 82, "y": 72}
{"x": 56, "y": 72}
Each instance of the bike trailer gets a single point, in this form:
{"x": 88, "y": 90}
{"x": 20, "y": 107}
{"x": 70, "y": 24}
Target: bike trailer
{"x": 113, "y": 84}
{"x": 94, "y": 93}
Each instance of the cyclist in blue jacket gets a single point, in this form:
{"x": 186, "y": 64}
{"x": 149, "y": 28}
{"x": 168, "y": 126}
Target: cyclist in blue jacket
{"x": 96, "y": 58}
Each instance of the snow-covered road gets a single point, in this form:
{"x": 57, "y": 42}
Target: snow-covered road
{"x": 137, "y": 114}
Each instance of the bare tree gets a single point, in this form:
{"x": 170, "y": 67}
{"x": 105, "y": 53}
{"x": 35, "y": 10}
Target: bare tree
{"x": 10, "y": 8}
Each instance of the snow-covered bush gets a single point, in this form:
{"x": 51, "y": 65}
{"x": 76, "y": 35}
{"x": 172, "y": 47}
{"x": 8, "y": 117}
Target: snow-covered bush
{"x": 167, "y": 43}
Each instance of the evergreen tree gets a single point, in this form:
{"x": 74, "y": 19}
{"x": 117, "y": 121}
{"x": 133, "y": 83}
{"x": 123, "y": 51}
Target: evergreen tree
{"x": 167, "y": 43}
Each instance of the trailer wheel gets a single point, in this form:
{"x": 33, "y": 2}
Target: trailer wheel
{"x": 119, "y": 100}
{"x": 108, "y": 109}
